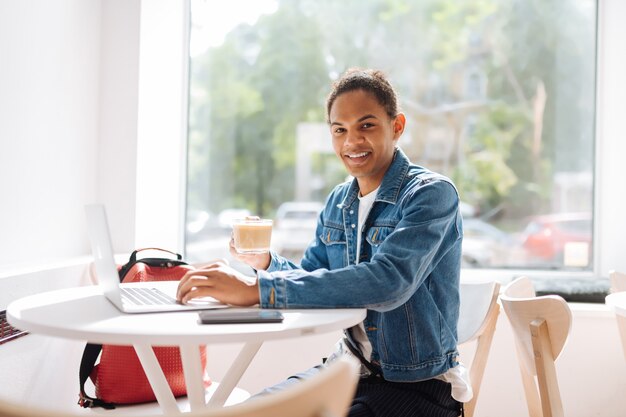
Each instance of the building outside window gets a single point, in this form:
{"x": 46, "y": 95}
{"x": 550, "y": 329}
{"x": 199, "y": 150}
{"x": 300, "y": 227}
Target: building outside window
{"x": 499, "y": 96}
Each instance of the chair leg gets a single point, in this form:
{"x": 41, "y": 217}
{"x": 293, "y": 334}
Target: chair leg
{"x": 483, "y": 345}
{"x": 530, "y": 388}
{"x": 546, "y": 372}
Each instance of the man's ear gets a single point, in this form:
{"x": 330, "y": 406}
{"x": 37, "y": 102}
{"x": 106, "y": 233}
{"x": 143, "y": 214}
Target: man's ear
{"x": 398, "y": 125}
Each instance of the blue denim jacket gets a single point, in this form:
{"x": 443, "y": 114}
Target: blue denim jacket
{"x": 407, "y": 277}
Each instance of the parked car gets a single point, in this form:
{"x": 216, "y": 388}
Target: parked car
{"x": 545, "y": 237}
{"x": 485, "y": 245}
{"x": 201, "y": 225}
{"x": 294, "y": 227}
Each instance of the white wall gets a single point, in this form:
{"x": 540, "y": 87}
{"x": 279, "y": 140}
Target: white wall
{"x": 49, "y": 93}
{"x": 610, "y": 204}
{"x": 68, "y": 126}
{"x": 162, "y": 125}
{"x": 118, "y": 115}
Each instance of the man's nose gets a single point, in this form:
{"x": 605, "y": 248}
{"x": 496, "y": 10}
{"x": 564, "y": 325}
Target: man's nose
{"x": 353, "y": 137}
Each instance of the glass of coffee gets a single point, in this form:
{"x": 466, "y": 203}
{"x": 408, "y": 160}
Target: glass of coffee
{"x": 252, "y": 235}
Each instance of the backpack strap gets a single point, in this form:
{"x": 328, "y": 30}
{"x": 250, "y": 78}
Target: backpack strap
{"x": 160, "y": 262}
{"x": 375, "y": 371}
{"x": 87, "y": 363}
{"x": 133, "y": 256}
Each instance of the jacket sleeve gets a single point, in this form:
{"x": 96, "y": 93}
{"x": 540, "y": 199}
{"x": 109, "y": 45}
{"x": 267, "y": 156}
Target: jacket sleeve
{"x": 429, "y": 228}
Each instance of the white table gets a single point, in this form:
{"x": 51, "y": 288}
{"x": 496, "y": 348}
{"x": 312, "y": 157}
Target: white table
{"x": 83, "y": 313}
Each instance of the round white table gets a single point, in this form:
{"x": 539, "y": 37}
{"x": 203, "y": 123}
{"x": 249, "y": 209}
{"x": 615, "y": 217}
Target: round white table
{"x": 83, "y": 313}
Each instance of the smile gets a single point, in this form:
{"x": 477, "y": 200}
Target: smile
{"x": 357, "y": 155}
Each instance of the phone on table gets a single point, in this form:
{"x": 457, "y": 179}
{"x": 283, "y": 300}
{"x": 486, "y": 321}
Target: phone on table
{"x": 239, "y": 316}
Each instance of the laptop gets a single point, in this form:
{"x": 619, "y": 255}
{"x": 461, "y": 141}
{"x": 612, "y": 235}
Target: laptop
{"x": 136, "y": 297}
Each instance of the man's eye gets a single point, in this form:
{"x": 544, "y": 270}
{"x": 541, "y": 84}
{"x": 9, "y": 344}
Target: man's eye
{"x": 340, "y": 130}
{"x": 366, "y": 125}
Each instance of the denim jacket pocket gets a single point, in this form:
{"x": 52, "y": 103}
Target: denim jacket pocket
{"x": 377, "y": 234}
{"x": 332, "y": 236}
{"x": 335, "y": 242}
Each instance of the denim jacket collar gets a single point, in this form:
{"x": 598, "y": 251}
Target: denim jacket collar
{"x": 391, "y": 184}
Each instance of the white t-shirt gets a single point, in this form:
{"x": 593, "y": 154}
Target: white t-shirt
{"x": 365, "y": 205}
{"x": 458, "y": 376}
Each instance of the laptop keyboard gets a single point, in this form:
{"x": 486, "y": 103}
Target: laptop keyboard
{"x": 146, "y": 296}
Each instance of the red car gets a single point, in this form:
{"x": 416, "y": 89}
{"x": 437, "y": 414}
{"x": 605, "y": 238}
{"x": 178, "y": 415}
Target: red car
{"x": 546, "y": 236}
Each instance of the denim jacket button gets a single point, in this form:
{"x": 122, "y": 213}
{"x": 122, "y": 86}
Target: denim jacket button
{"x": 351, "y": 211}
{"x": 353, "y": 225}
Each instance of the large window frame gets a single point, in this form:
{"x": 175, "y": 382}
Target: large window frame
{"x": 541, "y": 162}
{"x": 609, "y": 203}
{"x": 601, "y": 263}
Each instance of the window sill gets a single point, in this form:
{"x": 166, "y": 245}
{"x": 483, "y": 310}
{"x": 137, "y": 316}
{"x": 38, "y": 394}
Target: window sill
{"x": 591, "y": 310}
{"x": 574, "y": 290}
{"x": 584, "y": 291}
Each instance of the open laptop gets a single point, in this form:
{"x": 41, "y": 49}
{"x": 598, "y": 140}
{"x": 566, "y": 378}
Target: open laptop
{"x": 136, "y": 297}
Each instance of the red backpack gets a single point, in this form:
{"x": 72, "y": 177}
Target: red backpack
{"x": 119, "y": 377}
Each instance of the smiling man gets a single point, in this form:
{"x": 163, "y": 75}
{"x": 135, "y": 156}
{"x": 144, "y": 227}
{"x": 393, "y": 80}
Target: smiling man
{"x": 389, "y": 241}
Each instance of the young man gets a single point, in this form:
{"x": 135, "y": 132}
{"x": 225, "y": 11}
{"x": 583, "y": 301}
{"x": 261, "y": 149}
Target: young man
{"x": 388, "y": 241}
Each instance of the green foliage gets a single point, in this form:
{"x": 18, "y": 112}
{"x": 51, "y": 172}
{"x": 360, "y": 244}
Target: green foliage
{"x": 455, "y": 22}
{"x": 249, "y": 94}
{"x": 485, "y": 178}
{"x": 249, "y": 114}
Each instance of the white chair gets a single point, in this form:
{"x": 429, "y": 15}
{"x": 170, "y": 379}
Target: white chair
{"x": 541, "y": 326}
{"x": 327, "y": 394}
{"x": 618, "y": 281}
{"x": 478, "y": 316}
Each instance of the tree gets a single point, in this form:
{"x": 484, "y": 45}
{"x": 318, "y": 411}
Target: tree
{"x": 503, "y": 79}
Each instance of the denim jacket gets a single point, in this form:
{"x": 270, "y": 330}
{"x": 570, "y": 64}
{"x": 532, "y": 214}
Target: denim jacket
{"x": 407, "y": 277}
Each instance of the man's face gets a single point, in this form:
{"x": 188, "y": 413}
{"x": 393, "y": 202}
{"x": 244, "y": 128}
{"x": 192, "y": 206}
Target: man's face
{"x": 364, "y": 136}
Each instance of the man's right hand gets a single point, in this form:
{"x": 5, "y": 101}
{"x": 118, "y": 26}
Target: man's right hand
{"x": 258, "y": 261}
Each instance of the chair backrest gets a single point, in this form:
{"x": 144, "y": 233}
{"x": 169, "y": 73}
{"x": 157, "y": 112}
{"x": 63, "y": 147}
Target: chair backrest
{"x": 478, "y": 316}
{"x": 541, "y": 326}
{"x": 618, "y": 281}
{"x": 327, "y": 394}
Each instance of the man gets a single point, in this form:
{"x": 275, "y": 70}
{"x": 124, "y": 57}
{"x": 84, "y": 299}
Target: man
{"x": 388, "y": 241}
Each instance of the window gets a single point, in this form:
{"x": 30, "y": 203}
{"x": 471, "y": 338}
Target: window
{"x": 499, "y": 96}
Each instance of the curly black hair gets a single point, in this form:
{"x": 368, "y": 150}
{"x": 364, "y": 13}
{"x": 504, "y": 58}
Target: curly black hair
{"x": 369, "y": 80}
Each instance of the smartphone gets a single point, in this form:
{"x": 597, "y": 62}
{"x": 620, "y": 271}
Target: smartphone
{"x": 239, "y": 316}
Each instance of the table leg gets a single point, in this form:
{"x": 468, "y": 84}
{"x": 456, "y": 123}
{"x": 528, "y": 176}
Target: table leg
{"x": 234, "y": 373}
{"x": 157, "y": 380}
{"x": 192, "y": 368}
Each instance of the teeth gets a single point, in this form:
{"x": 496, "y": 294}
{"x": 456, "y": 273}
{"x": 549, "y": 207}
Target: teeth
{"x": 357, "y": 155}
